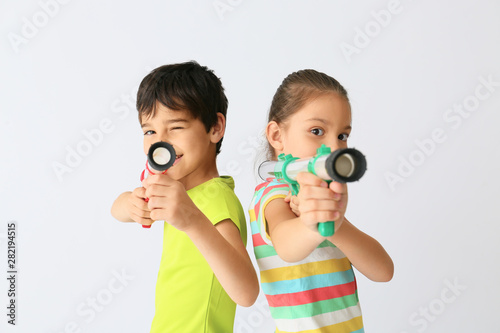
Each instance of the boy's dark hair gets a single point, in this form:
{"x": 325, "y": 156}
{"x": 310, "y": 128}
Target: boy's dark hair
{"x": 184, "y": 86}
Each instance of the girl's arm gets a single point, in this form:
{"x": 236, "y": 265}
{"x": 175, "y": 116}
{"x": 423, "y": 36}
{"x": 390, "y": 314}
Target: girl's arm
{"x": 292, "y": 239}
{"x": 364, "y": 252}
{"x": 295, "y": 238}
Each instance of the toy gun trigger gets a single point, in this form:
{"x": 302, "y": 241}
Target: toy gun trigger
{"x": 294, "y": 188}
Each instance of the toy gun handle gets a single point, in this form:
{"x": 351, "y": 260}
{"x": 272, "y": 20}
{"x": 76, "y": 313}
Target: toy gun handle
{"x": 161, "y": 156}
{"x": 326, "y": 229}
{"x": 342, "y": 165}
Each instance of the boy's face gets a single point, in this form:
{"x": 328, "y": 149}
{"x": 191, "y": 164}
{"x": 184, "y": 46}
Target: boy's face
{"x": 195, "y": 151}
{"x": 325, "y": 119}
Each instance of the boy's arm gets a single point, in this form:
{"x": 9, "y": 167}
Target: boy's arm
{"x": 223, "y": 249}
{"x": 131, "y": 207}
{"x": 220, "y": 245}
{"x": 364, "y": 252}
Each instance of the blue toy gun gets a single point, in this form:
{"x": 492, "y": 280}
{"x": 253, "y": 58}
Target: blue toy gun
{"x": 161, "y": 156}
{"x": 342, "y": 165}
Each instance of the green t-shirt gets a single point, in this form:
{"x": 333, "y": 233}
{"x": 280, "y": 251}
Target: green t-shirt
{"x": 189, "y": 298}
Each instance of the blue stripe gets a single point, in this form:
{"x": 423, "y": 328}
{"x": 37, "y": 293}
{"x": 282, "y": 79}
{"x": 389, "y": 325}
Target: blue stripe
{"x": 254, "y": 226}
{"x": 308, "y": 283}
{"x": 362, "y": 330}
{"x": 258, "y": 195}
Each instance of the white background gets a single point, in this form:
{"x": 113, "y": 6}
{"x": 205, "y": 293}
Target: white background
{"x": 70, "y": 70}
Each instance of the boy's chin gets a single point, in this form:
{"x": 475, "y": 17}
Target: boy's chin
{"x": 178, "y": 158}
{"x": 172, "y": 174}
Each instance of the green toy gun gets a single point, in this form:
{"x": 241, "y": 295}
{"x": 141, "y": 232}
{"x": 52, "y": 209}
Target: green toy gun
{"x": 343, "y": 165}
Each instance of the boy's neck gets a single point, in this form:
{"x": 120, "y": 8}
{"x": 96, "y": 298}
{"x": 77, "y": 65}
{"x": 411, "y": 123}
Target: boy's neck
{"x": 201, "y": 175}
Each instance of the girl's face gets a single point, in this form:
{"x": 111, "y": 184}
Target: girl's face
{"x": 325, "y": 119}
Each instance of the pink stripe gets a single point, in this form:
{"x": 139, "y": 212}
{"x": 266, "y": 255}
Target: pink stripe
{"x": 312, "y": 296}
{"x": 257, "y": 240}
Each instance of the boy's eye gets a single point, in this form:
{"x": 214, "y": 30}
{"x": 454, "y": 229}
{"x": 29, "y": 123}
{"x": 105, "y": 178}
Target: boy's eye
{"x": 317, "y": 131}
{"x": 176, "y": 128}
{"x": 343, "y": 136}
{"x": 150, "y": 132}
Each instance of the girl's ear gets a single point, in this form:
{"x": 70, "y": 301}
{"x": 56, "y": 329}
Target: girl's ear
{"x": 275, "y": 136}
{"x": 217, "y": 131}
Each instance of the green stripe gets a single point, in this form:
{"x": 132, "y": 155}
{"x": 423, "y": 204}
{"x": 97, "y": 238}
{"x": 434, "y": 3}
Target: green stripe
{"x": 313, "y": 309}
{"x": 264, "y": 251}
{"x": 326, "y": 243}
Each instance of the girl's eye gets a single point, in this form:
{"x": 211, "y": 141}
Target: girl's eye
{"x": 317, "y": 131}
{"x": 343, "y": 137}
{"x": 150, "y": 132}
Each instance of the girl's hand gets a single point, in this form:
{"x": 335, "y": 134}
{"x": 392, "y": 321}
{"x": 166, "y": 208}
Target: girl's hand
{"x": 319, "y": 202}
{"x": 293, "y": 201}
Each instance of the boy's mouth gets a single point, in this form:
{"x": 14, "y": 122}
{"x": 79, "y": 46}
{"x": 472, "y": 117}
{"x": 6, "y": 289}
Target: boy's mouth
{"x": 177, "y": 159}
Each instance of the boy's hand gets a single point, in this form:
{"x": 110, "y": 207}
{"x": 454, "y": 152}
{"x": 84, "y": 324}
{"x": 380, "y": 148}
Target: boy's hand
{"x": 319, "y": 202}
{"x": 169, "y": 201}
{"x": 137, "y": 207}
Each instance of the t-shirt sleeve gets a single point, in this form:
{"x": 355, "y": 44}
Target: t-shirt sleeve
{"x": 271, "y": 192}
{"x": 229, "y": 207}
{"x": 219, "y": 202}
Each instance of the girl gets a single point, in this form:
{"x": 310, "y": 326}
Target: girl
{"x": 307, "y": 278}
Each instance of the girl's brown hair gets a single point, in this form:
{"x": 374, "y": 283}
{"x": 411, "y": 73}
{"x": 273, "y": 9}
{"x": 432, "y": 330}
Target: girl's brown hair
{"x": 295, "y": 90}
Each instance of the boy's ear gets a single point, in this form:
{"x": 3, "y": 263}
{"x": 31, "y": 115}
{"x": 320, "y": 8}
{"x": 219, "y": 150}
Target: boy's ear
{"x": 217, "y": 131}
{"x": 274, "y": 135}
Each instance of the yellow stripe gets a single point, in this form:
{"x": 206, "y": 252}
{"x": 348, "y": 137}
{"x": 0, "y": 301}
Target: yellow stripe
{"x": 263, "y": 209}
{"x": 304, "y": 270}
{"x": 347, "y": 326}
{"x": 252, "y": 215}
{"x": 264, "y": 204}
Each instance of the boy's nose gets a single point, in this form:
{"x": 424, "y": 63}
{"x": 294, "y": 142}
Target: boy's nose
{"x": 163, "y": 137}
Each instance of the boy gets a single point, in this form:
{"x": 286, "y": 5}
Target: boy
{"x": 205, "y": 268}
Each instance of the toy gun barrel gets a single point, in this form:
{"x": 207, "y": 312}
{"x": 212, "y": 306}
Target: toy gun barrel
{"x": 161, "y": 156}
{"x": 342, "y": 165}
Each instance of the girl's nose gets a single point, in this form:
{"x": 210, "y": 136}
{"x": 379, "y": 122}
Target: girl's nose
{"x": 334, "y": 146}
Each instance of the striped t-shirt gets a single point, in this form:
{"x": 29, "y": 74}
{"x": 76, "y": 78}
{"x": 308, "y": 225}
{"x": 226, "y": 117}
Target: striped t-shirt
{"x": 317, "y": 294}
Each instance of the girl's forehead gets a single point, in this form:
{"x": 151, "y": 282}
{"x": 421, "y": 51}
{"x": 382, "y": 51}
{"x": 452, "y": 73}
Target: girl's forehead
{"x": 325, "y": 108}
